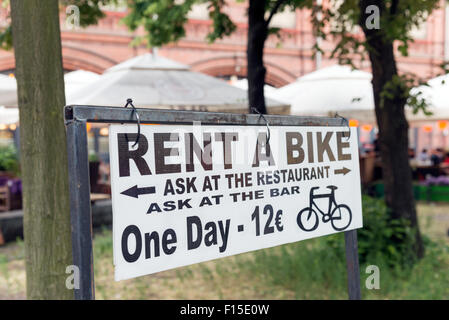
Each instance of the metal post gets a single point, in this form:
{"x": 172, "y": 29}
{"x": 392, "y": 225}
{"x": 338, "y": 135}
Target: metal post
{"x": 352, "y": 265}
{"x": 80, "y": 211}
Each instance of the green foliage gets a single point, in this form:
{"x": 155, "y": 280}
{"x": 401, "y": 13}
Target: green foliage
{"x": 222, "y": 24}
{"x": 399, "y": 89}
{"x": 312, "y": 270}
{"x": 301, "y": 267}
{"x": 9, "y": 160}
{"x": 316, "y": 269}
{"x": 395, "y": 89}
{"x": 90, "y": 10}
{"x": 164, "y": 20}
{"x": 5, "y": 32}
{"x": 397, "y": 20}
{"x": 103, "y": 243}
{"x": 381, "y": 238}
{"x": 93, "y": 157}
{"x": 6, "y": 38}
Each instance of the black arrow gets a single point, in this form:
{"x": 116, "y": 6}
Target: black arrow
{"x": 343, "y": 171}
{"x": 135, "y": 192}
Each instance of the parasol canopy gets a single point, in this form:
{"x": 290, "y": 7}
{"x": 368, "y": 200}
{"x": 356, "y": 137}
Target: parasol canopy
{"x": 9, "y": 115}
{"x": 157, "y": 82}
{"x": 436, "y": 94}
{"x": 8, "y": 91}
{"x": 336, "y": 89}
{"x": 74, "y": 81}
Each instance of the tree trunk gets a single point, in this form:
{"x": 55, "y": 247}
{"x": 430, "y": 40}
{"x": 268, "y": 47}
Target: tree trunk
{"x": 393, "y": 131}
{"x": 257, "y": 34}
{"x": 37, "y": 49}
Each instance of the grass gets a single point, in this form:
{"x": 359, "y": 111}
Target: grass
{"x": 303, "y": 270}
{"x": 434, "y": 221}
{"x": 312, "y": 272}
{"x": 210, "y": 280}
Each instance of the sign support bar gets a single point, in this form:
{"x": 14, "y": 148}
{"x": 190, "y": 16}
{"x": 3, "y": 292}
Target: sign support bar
{"x": 80, "y": 210}
{"x": 352, "y": 265}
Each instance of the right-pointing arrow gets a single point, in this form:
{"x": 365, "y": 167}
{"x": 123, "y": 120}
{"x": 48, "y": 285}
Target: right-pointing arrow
{"x": 342, "y": 171}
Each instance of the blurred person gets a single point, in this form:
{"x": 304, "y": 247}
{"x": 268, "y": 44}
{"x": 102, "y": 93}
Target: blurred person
{"x": 376, "y": 145}
{"x": 445, "y": 163}
{"x": 423, "y": 156}
{"x": 446, "y": 158}
{"x": 435, "y": 157}
{"x": 441, "y": 154}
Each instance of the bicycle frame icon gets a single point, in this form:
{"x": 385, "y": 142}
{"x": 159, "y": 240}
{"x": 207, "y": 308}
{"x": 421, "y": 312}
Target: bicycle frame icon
{"x": 339, "y": 215}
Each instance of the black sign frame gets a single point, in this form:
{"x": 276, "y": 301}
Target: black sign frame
{"x": 76, "y": 118}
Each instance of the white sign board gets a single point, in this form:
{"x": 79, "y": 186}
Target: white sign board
{"x": 187, "y": 194}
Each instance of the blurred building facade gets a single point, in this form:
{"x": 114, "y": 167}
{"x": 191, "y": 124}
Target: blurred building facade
{"x": 99, "y": 47}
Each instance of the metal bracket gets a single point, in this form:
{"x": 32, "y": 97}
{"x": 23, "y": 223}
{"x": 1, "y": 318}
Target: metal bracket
{"x": 130, "y": 102}
{"x": 266, "y": 123}
{"x": 347, "y": 125}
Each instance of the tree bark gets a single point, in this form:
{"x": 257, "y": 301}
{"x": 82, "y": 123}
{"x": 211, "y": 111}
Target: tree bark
{"x": 257, "y": 34}
{"x": 37, "y": 49}
{"x": 393, "y": 130}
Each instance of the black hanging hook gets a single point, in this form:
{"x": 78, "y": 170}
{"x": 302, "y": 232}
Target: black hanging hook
{"x": 130, "y": 102}
{"x": 266, "y": 123}
{"x": 347, "y": 124}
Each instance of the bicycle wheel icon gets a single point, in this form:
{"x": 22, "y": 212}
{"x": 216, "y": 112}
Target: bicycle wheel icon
{"x": 341, "y": 217}
{"x": 307, "y": 219}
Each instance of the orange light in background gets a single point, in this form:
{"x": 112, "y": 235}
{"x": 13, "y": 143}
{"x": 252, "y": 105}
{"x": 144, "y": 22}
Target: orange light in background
{"x": 104, "y": 131}
{"x": 353, "y": 123}
{"x": 11, "y": 75}
{"x": 442, "y": 125}
{"x": 88, "y": 127}
{"x": 3, "y": 127}
{"x": 12, "y": 127}
{"x": 427, "y": 128}
{"x": 367, "y": 127}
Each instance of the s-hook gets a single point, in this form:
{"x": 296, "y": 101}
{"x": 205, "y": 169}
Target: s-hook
{"x": 347, "y": 125}
{"x": 130, "y": 102}
{"x": 266, "y": 123}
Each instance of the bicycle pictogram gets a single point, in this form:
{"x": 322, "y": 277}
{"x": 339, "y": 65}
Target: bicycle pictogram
{"x": 339, "y": 215}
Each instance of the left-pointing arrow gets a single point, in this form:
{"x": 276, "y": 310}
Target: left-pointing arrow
{"x": 135, "y": 191}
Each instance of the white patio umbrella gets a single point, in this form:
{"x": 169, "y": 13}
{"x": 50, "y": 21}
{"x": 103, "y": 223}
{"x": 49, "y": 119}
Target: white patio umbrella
{"x": 9, "y": 115}
{"x": 436, "y": 95}
{"x": 8, "y": 91}
{"x": 336, "y": 89}
{"x": 243, "y": 84}
{"x": 156, "y": 82}
{"x": 74, "y": 81}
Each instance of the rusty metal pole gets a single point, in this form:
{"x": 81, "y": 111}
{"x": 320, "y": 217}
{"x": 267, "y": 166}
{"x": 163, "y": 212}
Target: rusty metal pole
{"x": 80, "y": 209}
{"x": 352, "y": 264}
